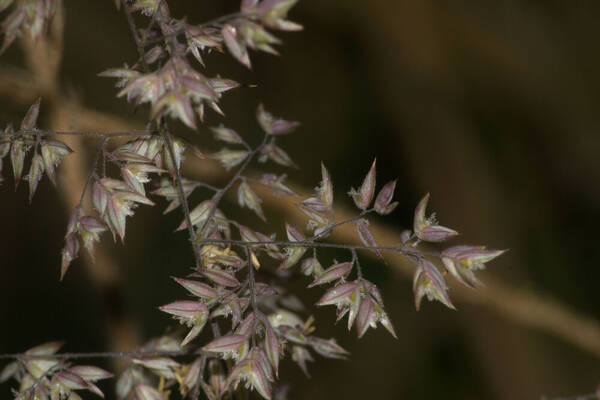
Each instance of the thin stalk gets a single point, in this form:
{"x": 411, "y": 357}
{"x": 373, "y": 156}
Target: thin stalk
{"x": 357, "y": 264}
{"x": 92, "y": 174}
{"x": 181, "y": 194}
{"x": 347, "y": 221}
{"x": 106, "y": 354}
{"x": 398, "y": 249}
{"x": 252, "y": 292}
{"x": 47, "y": 132}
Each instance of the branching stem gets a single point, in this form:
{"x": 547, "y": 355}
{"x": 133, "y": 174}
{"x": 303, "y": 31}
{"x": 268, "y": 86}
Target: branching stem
{"x": 219, "y": 195}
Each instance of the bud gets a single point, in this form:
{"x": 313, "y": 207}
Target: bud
{"x": 336, "y": 271}
{"x": 346, "y": 297}
{"x": 197, "y": 89}
{"x": 38, "y": 367}
{"x": 9, "y": 371}
{"x": 69, "y": 253}
{"x": 274, "y": 12}
{"x": 200, "y": 38}
{"x": 301, "y": 355}
{"x": 338, "y": 294}
{"x": 198, "y": 289}
{"x": 315, "y": 205}
{"x": 190, "y": 378}
{"x": 189, "y": 312}
{"x": 36, "y": 171}
{"x": 254, "y": 369}
{"x": 220, "y": 277}
{"x": 30, "y": 120}
{"x": 231, "y": 305}
{"x": 169, "y": 192}
{"x": 52, "y": 153}
{"x": 46, "y": 349}
{"x": 90, "y": 373}
{"x": 272, "y": 346}
{"x": 369, "y": 314}
{"x": 277, "y": 155}
{"x": 146, "y": 392}
{"x": 247, "y": 198}
{"x": 161, "y": 366}
{"x": 461, "y": 261}
{"x": 198, "y": 215}
{"x": 226, "y": 135}
{"x": 17, "y": 155}
{"x": 426, "y": 228}
{"x": 230, "y": 158}
{"x": 312, "y": 266}
{"x": 282, "y": 317}
{"x": 222, "y": 85}
{"x": 276, "y": 183}
{"x": 11, "y": 26}
{"x": 428, "y": 281}
{"x": 230, "y": 346}
{"x": 361, "y": 226}
{"x": 328, "y": 348}
{"x": 117, "y": 212}
{"x": 178, "y": 150}
{"x": 325, "y": 189}
{"x": 236, "y": 45}
{"x": 257, "y": 38}
{"x": 274, "y": 126}
{"x": 293, "y": 254}
{"x": 436, "y": 233}
{"x": 383, "y": 205}
{"x": 70, "y": 380}
{"x": 99, "y": 197}
{"x": 177, "y": 106}
{"x": 364, "y": 196}
{"x": 90, "y": 229}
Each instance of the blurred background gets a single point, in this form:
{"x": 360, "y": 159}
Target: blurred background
{"x": 491, "y": 106}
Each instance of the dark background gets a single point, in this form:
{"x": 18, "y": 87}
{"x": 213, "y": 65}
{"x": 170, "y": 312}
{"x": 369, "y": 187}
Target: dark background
{"x": 492, "y": 106}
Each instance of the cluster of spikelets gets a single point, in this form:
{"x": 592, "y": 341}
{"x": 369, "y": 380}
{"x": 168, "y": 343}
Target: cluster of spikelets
{"x": 262, "y": 335}
{"x": 47, "y": 153}
{"x": 263, "y": 322}
{"x": 44, "y": 376}
{"x": 27, "y": 16}
{"x": 174, "y": 87}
